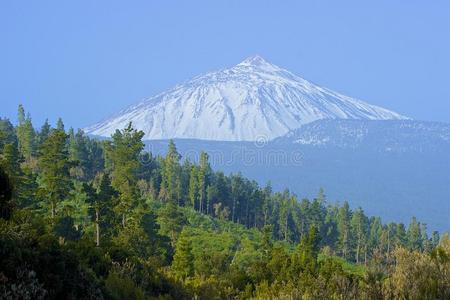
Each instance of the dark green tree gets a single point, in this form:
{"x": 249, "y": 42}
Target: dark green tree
{"x": 171, "y": 171}
{"x": 414, "y": 235}
{"x": 54, "y": 165}
{"x": 101, "y": 201}
{"x": 60, "y": 125}
{"x": 171, "y": 220}
{"x": 7, "y": 133}
{"x": 44, "y": 132}
{"x": 358, "y": 225}
{"x": 26, "y": 135}
{"x": 123, "y": 154}
{"x": 194, "y": 187}
{"x": 204, "y": 172}
{"x": 343, "y": 225}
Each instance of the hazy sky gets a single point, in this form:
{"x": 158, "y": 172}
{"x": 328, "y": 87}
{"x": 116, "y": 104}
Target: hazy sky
{"x": 84, "y": 60}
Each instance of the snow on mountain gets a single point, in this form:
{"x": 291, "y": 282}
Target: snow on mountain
{"x": 250, "y": 101}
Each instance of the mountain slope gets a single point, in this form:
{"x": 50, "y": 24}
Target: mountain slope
{"x": 253, "y": 100}
{"x": 389, "y": 135}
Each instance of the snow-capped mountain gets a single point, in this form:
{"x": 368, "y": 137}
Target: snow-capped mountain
{"x": 250, "y": 101}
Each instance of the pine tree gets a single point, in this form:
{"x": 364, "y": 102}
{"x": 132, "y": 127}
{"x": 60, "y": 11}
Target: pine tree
{"x": 101, "y": 201}
{"x": 193, "y": 187}
{"x": 400, "y": 235}
{"x": 78, "y": 150}
{"x": 25, "y": 135}
{"x": 172, "y": 221}
{"x": 266, "y": 204}
{"x": 183, "y": 260}
{"x": 123, "y": 154}
{"x": 212, "y": 194}
{"x": 358, "y": 228}
{"x": 171, "y": 174}
{"x": 285, "y": 210}
{"x": 375, "y": 234}
{"x": 54, "y": 165}
{"x": 343, "y": 224}
{"x": 305, "y": 257}
{"x": 203, "y": 174}
{"x": 435, "y": 238}
{"x": 7, "y": 133}
{"x": 10, "y": 160}
{"x": 60, "y": 125}
{"x": 44, "y": 132}
{"x": 414, "y": 236}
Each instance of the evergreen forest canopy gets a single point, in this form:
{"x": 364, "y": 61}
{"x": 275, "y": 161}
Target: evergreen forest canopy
{"x": 83, "y": 218}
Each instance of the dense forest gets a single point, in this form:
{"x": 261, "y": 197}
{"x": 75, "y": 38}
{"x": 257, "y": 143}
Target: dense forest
{"x": 83, "y": 218}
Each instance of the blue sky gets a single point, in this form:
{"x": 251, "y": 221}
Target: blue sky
{"x": 84, "y": 60}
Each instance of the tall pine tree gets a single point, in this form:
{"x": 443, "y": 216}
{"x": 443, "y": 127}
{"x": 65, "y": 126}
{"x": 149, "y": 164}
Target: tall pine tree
{"x": 123, "y": 154}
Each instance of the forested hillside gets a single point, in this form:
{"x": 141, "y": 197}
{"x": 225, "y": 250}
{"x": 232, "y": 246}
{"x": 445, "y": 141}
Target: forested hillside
{"x": 83, "y": 218}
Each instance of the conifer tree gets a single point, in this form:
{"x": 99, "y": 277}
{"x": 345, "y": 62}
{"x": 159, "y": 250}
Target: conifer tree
{"x": 414, "y": 235}
{"x": 193, "y": 187}
{"x": 358, "y": 228}
{"x": 400, "y": 235}
{"x": 375, "y": 233}
{"x": 172, "y": 221}
{"x": 44, "y": 132}
{"x": 78, "y": 150}
{"x": 60, "y": 125}
{"x": 171, "y": 181}
{"x": 10, "y": 160}
{"x": 25, "y": 135}
{"x": 101, "y": 201}
{"x": 7, "y": 133}
{"x": 203, "y": 174}
{"x": 343, "y": 225}
{"x": 183, "y": 260}
{"x": 123, "y": 155}
{"x": 54, "y": 165}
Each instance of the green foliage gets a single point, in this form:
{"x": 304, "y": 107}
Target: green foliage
{"x": 120, "y": 288}
{"x": 170, "y": 173}
{"x": 171, "y": 220}
{"x": 25, "y": 135}
{"x": 54, "y": 165}
{"x": 183, "y": 260}
{"x": 123, "y": 158}
{"x": 129, "y": 225}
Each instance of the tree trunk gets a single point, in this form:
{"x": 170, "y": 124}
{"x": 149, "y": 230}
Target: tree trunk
{"x": 53, "y": 210}
{"x": 232, "y": 213}
{"x": 247, "y": 216}
{"x": 388, "y": 243}
{"x": 97, "y": 228}
{"x": 365, "y": 255}
{"x": 357, "y": 251}
{"x": 286, "y": 229}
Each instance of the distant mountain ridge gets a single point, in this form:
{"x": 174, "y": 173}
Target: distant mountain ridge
{"x": 251, "y": 100}
{"x": 380, "y": 135}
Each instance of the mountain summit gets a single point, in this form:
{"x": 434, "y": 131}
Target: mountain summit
{"x": 252, "y": 100}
